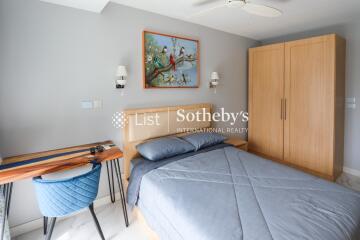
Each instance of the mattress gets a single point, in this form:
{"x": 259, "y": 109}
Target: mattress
{"x": 230, "y": 194}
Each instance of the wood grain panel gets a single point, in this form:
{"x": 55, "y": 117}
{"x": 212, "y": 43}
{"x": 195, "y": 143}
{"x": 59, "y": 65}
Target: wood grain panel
{"x": 339, "y": 105}
{"x": 309, "y": 94}
{"x": 266, "y": 91}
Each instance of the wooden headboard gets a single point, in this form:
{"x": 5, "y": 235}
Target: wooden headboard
{"x": 148, "y": 123}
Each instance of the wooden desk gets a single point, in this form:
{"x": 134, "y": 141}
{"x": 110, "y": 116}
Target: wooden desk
{"x": 36, "y": 164}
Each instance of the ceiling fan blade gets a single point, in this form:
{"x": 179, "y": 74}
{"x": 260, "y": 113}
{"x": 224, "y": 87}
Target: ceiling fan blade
{"x": 205, "y": 2}
{"x": 206, "y": 11}
{"x": 262, "y": 10}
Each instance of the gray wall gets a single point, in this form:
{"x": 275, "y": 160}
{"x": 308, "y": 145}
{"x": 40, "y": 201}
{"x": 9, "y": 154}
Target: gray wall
{"x": 53, "y": 57}
{"x": 350, "y": 31}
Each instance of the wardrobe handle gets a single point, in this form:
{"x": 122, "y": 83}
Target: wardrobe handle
{"x": 281, "y": 108}
{"x": 285, "y": 109}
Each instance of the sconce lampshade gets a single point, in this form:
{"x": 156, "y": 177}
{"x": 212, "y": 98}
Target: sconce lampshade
{"x": 214, "y": 76}
{"x": 121, "y": 71}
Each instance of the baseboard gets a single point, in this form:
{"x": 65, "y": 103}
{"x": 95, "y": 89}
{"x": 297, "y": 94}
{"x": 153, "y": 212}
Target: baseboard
{"x": 352, "y": 171}
{"x": 38, "y": 223}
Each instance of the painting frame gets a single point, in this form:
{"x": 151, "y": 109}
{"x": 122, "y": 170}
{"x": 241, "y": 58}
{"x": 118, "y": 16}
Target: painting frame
{"x": 146, "y": 85}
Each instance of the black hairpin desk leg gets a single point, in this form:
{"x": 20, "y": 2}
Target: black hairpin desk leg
{"x": 122, "y": 191}
{"x": 115, "y": 166}
{"x": 110, "y": 173}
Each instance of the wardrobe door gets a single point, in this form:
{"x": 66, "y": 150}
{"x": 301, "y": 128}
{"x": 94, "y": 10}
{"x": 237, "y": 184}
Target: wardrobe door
{"x": 266, "y": 91}
{"x": 309, "y": 100}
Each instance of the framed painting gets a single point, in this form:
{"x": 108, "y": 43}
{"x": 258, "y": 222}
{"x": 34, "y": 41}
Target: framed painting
{"x": 170, "y": 61}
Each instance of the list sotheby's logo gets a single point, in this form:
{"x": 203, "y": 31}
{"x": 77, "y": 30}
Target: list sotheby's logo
{"x": 119, "y": 119}
{"x": 219, "y": 116}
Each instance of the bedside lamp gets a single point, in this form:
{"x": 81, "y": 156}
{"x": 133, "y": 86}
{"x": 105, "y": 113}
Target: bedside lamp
{"x": 214, "y": 80}
{"x": 121, "y": 74}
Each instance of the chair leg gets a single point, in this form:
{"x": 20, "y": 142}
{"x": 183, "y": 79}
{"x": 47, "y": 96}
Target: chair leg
{"x": 51, "y": 229}
{"x": 91, "y": 208}
{"x": 45, "y": 225}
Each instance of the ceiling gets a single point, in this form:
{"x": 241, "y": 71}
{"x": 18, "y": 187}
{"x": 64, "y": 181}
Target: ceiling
{"x": 88, "y": 5}
{"x": 298, "y": 15}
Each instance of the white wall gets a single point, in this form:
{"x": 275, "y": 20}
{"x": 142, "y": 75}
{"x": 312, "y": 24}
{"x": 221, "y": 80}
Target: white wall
{"x": 350, "y": 31}
{"x": 53, "y": 57}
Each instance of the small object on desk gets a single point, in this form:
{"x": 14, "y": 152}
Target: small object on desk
{"x": 238, "y": 143}
{"x": 92, "y": 150}
{"x": 100, "y": 148}
{"x": 106, "y": 147}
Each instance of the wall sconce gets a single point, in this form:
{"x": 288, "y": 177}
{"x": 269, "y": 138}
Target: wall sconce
{"x": 214, "y": 80}
{"x": 121, "y": 74}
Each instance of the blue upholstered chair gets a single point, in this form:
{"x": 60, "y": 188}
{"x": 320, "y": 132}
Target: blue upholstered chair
{"x": 58, "y": 198}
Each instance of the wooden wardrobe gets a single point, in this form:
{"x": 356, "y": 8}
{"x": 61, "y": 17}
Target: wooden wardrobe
{"x": 296, "y": 103}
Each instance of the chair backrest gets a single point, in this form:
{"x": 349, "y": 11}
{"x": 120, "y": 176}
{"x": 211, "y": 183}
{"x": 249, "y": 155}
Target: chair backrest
{"x": 6, "y": 235}
{"x": 58, "y": 198}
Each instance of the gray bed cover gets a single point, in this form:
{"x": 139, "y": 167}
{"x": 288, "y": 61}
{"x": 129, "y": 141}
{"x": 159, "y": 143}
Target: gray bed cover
{"x": 227, "y": 194}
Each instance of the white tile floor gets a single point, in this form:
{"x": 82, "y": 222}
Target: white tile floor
{"x": 81, "y": 226}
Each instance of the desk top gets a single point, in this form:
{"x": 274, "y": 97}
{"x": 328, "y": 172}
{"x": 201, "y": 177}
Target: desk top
{"x": 37, "y": 164}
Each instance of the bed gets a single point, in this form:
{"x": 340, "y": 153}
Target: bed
{"x": 222, "y": 192}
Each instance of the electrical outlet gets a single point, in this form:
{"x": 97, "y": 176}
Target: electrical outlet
{"x": 350, "y": 100}
{"x": 97, "y": 104}
{"x": 350, "y": 105}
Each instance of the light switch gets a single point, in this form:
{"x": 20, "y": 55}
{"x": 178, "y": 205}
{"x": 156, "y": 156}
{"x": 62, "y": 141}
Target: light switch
{"x": 350, "y": 102}
{"x": 97, "y": 104}
{"x": 86, "y": 104}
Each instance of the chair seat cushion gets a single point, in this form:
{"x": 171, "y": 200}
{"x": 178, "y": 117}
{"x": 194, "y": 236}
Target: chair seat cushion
{"x": 68, "y": 173}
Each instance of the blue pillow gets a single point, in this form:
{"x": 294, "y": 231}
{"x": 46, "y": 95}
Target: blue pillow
{"x": 204, "y": 139}
{"x": 165, "y": 147}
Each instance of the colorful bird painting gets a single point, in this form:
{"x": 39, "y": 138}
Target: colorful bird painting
{"x": 157, "y": 62}
{"x": 182, "y": 52}
{"x": 172, "y": 62}
{"x": 164, "y": 50}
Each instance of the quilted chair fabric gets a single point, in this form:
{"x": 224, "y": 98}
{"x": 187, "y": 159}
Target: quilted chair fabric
{"x": 57, "y": 198}
{"x": 2, "y": 213}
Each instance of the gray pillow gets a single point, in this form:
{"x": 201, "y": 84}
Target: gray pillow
{"x": 204, "y": 139}
{"x": 165, "y": 147}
